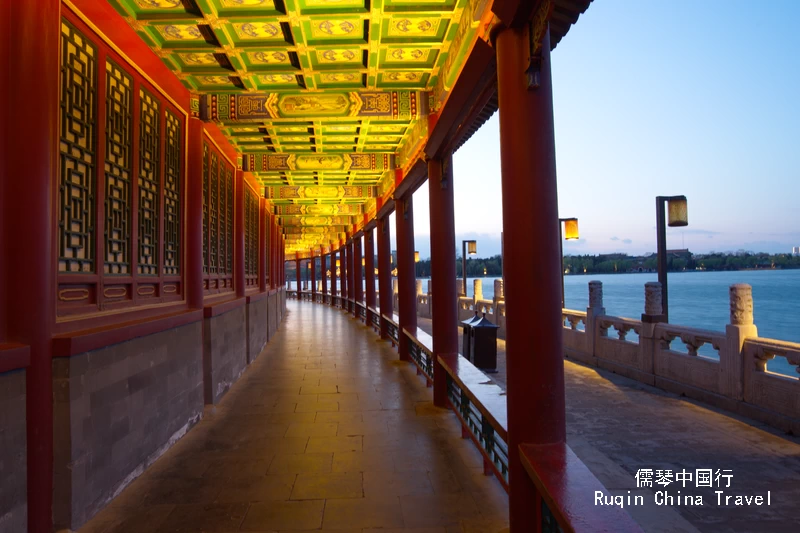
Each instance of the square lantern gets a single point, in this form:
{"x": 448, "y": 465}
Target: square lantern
{"x": 677, "y": 212}
{"x": 416, "y": 257}
{"x": 472, "y": 247}
{"x": 571, "y": 229}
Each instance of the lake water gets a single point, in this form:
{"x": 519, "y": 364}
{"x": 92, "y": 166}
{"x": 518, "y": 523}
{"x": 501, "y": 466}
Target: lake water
{"x": 696, "y": 299}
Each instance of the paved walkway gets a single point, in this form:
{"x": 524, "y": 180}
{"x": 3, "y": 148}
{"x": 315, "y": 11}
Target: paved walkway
{"x": 617, "y": 426}
{"x": 326, "y": 431}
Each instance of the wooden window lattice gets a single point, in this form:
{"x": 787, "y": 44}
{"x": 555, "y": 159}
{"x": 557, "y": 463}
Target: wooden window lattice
{"x": 78, "y": 109}
{"x": 172, "y": 196}
{"x": 214, "y": 215}
{"x": 228, "y": 218}
{"x": 108, "y": 227}
{"x": 149, "y": 182}
{"x": 119, "y": 88}
{"x": 206, "y": 208}
{"x": 251, "y": 235}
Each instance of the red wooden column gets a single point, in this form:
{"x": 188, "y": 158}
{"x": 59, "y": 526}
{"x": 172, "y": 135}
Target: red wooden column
{"x": 238, "y": 234}
{"x": 272, "y": 253}
{"x": 323, "y": 274}
{"x": 262, "y": 245}
{"x": 358, "y": 283}
{"x": 351, "y": 285}
{"x": 297, "y": 272}
{"x": 534, "y": 353}
{"x": 385, "y": 272}
{"x": 194, "y": 216}
{"x": 443, "y": 269}
{"x": 313, "y": 279}
{"x": 369, "y": 271}
{"x": 406, "y": 275}
{"x": 344, "y": 274}
{"x": 31, "y": 166}
{"x": 334, "y": 277}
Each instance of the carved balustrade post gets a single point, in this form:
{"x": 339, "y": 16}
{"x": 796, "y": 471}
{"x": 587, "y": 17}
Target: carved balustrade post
{"x": 595, "y": 309}
{"x": 736, "y": 365}
{"x": 477, "y": 289}
{"x": 499, "y": 296}
{"x": 430, "y": 298}
{"x": 395, "y": 293}
{"x": 417, "y": 293}
{"x": 653, "y": 314}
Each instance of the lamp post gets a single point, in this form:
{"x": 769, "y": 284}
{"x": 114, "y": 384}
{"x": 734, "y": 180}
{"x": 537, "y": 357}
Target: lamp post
{"x": 471, "y": 248}
{"x": 678, "y": 216}
{"x": 570, "y": 233}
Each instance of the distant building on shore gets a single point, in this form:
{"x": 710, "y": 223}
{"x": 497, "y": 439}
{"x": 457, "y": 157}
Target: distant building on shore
{"x": 795, "y": 250}
{"x": 682, "y": 253}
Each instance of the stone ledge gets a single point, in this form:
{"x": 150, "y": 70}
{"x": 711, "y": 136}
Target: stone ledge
{"x": 14, "y": 356}
{"x": 69, "y": 344}
{"x": 220, "y": 308}
{"x": 256, "y": 296}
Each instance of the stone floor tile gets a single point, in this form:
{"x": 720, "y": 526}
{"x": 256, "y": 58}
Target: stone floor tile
{"x": 314, "y": 429}
{"x": 362, "y": 462}
{"x": 179, "y": 491}
{"x": 334, "y": 444}
{"x": 303, "y": 463}
{"x": 383, "y": 485}
{"x": 289, "y": 516}
{"x": 315, "y": 406}
{"x": 406, "y": 530}
{"x": 125, "y": 519}
{"x": 438, "y": 510}
{"x": 362, "y": 513}
{"x": 318, "y": 389}
{"x": 246, "y": 489}
{"x": 235, "y": 466}
{"x": 349, "y": 429}
{"x": 336, "y": 416}
{"x": 216, "y": 517}
{"x": 328, "y": 486}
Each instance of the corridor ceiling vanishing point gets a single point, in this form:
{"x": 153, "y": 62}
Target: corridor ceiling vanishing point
{"x": 324, "y": 99}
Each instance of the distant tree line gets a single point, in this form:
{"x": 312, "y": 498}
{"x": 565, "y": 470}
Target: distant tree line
{"x": 476, "y": 267}
{"x": 618, "y": 263}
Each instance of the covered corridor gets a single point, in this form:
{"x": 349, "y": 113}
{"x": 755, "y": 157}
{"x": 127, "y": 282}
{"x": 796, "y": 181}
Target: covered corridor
{"x": 326, "y": 429}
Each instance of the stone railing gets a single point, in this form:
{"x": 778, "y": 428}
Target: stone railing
{"x": 726, "y": 369}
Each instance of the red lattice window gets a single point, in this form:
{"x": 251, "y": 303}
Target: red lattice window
{"x": 251, "y": 236}
{"x": 120, "y": 187}
{"x": 217, "y": 221}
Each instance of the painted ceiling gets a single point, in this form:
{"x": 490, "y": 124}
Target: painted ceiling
{"x": 324, "y": 99}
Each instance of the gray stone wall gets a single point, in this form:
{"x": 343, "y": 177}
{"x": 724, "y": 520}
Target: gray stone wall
{"x": 13, "y": 453}
{"x": 257, "y": 328}
{"x": 274, "y": 317}
{"x": 118, "y": 409}
{"x": 224, "y": 352}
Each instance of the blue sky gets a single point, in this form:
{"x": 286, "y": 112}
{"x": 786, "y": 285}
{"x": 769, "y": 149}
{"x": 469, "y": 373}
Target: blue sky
{"x": 658, "y": 98}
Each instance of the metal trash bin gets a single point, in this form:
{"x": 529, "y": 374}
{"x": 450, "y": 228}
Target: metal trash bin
{"x": 483, "y": 344}
{"x": 466, "y": 337}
